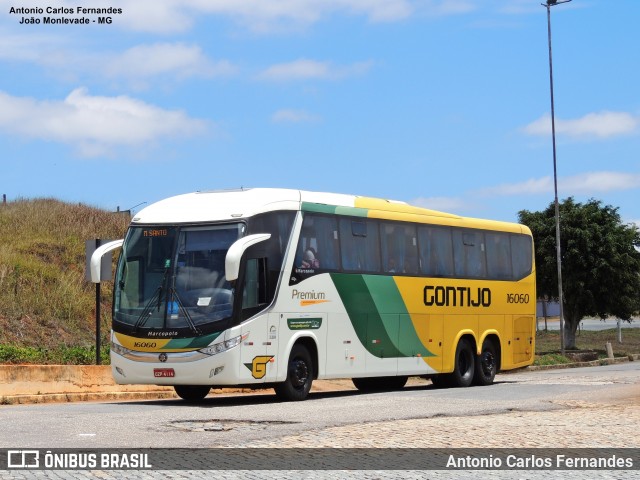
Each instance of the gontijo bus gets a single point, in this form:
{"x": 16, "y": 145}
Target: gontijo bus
{"x": 276, "y": 288}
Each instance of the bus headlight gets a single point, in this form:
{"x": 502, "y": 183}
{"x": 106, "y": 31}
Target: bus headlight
{"x": 223, "y": 346}
{"x": 119, "y": 349}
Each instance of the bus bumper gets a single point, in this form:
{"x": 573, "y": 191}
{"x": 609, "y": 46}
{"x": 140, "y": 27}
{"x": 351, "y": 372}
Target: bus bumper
{"x": 220, "y": 369}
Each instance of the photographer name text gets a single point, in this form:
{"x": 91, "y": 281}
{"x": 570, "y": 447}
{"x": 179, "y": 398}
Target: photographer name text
{"x": 65, "y": 15}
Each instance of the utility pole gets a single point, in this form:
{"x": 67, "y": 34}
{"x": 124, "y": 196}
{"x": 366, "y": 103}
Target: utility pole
{"x": 548, "y": 5}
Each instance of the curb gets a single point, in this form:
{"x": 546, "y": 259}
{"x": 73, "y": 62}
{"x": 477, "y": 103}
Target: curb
{"x": 593, "y": 363}
{"x": 83, "y": 397}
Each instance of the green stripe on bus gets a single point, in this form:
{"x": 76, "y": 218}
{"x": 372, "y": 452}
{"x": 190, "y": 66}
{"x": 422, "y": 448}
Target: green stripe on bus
{"x": 352, "y": 211}
{"x": 379, "y": 316}
{"x": 196, "y": 342}
{"x": 385, "y": 294}
{"x": 369, "y": 325}
{"x": 389, "y": 302}
{"x": 318, "y": 207}
{"x": 334, "y": 210}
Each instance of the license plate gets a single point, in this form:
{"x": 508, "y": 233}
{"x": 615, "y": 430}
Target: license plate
{"x": 163, "y": 372}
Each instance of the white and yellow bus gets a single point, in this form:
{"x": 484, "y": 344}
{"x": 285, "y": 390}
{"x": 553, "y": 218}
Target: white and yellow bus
{"x": 275, "y": 288}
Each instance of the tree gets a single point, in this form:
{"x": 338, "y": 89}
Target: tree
{"x": 600, "y": 261}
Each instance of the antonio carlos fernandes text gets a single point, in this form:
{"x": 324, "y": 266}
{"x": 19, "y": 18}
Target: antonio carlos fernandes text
{"x": 563, "y": 462}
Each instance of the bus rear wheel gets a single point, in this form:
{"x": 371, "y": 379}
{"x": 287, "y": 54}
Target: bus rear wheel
{"x": 299, "y": 376}
{"x": 379, "y": 384}
{"x": 486, "y": 364}
{"x": 192, "y": 393}
{"x": 464, "y": 367}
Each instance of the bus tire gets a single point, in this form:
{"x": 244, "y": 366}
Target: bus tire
{"x": 486, "y": 364}
{"x": 464, "y": 365}
{"x": 192, "y": 393}
{"x": 380, "y": 384}
{"x": 299, "y": 376}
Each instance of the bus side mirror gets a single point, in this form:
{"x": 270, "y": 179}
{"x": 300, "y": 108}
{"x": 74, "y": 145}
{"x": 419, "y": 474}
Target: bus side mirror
{"x": 234, "y": 255}
{"x": 96, "y": 258}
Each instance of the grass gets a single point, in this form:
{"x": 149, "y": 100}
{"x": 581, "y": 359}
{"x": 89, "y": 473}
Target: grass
{"x": 61, "y": 355}
{"x": 548, "y": 344}
{"x": 47, "y": 308}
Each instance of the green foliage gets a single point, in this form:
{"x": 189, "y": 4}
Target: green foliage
{"x": 81, "y": 356}
{"x": 15, "y": 354}
{"x": 551, "y": 359}
{"x": 45, "y": 300}
{"x": 61, "y": 355}
{"x": 600, "y": 263}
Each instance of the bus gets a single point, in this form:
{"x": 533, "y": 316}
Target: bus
{"x": 274, "y": 288}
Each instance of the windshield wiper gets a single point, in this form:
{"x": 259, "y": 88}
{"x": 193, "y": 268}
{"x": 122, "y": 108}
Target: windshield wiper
{"x": 174, "y": 295}
{"x": 171, "y": 294}
{"x": 146, "y": 311}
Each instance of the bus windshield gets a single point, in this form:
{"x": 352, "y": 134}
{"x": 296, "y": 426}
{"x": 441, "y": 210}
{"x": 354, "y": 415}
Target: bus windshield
{"x": 172, "y": 279}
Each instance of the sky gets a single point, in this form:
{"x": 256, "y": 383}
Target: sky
{"x": 439, "y": 103}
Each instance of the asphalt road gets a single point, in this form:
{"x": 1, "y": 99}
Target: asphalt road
{"x": 247, "y": 420}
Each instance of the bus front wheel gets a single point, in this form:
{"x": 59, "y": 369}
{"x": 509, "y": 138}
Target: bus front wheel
{"x": 299, "y": 376}
{"x": 192, "y": 393}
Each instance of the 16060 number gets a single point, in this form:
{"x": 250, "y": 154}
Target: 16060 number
{"x": 517, "y": 298}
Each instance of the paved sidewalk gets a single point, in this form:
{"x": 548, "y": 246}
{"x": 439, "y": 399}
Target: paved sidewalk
{"x": 573, "y": 425}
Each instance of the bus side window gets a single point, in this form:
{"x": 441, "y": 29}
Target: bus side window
{"x": 254, "y": 293}
{"x": 436, "y": 251}
{"x": 469, "y": 253}
{"x": 279, "y": 225}
{"x": 318, "y": 249}
{"x": 521, "y": 256}
{"x": 399, "y": 248}
{"x": 359, "y": 245}
{"x": 498, "y": 256}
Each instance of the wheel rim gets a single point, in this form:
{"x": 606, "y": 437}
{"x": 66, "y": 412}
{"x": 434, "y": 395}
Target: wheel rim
{"x": 299, "y": 373}
{"x": 488, "y": 363}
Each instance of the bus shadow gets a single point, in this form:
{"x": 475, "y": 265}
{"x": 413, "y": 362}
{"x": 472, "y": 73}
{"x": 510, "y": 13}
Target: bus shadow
{"x": 241, "y": 399}
{"x": 267, "y": 398}
{"x": 432, "y": 387}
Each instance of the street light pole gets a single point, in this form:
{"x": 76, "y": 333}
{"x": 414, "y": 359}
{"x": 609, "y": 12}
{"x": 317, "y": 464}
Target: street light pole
{"x": 548, "y": 5}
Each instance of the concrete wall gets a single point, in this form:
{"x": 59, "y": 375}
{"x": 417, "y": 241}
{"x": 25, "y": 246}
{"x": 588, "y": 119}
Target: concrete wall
{"x": 35, "y": 383}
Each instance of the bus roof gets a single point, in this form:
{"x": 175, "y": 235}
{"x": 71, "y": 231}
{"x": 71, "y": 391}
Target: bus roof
{"x": 225, "y": 205}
